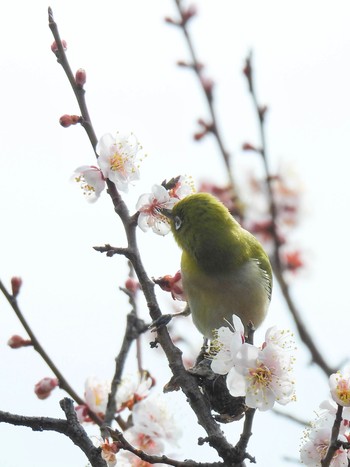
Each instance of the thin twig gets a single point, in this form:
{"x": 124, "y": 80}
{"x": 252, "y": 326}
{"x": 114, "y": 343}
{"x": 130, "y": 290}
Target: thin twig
{"x": 78, "y": 91}
{"x": 134, "y": 327}
{"x": 305, "y": 336}
{"x": 197, "y": 67}
{"x": 63, "y": 383}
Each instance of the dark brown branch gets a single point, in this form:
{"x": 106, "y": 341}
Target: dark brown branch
{"x": 134, "y": 327}
{"x": 124, "y": 444}
{"x": 187, "y": 382}
{"x": 305, "y": 336}
{"x": 111, "y": 250}
{"x": 334, "y": 443}
{"x": 242, "y": 444}
{"x": 70, "y": 428}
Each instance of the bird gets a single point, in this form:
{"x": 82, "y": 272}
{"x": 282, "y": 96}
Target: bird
{"x": 225, "y": 270}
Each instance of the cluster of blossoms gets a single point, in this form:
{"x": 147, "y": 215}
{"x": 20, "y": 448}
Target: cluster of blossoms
{"x": 317, "y": 438}
{"x": 153, "y": 426}
{"x": 118, "y": 161}
{"x": 263, "y": 375}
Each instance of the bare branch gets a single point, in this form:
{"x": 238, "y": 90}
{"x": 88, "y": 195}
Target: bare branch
{"x": 305, "y": 336}
{"x": 63, "y": 383}
{"x": 70, "y": 428}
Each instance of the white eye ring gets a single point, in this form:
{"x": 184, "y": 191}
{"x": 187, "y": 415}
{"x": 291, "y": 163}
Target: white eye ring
{"x": 177, "y": 222}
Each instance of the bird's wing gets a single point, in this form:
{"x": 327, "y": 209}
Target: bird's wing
{"x": 266, "y": 276}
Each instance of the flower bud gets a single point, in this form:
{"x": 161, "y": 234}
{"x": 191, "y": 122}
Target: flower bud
{"x": 44, "y": 387}
{"x": 188, "y": 13}
{"x": 207, "y": 84}
{"x": 248, "y": 147}
{"x": 132, "y": 285}
{"x": 68, "y": 120}
{"x": 16, "y": 283}
{"x": 80, "y": 77}
{"x": 16, "y": 342}
{"x": 54, "y": 46}
{"x": 172, "y": 284}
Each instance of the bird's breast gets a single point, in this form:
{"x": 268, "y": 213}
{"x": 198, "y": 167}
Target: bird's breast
{"x": 213, "y": 298}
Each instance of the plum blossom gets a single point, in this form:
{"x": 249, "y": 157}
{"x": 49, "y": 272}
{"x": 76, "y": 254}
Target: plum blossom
{"x": 153, "y": 417}
{"x": 316, "y": 438}
{"x": 339, "y": 384}
{"x": 315, "y": 449}
{"x": 91, "y": 181}
{"x": 108, "y": 452}
{"x": 133, "y": 390}
{"x": 263, "y": 376}
{"x": 182, "y": 188}
{"x": 149, "y": 205}
{"x": 172, "y": 284}
{"x": 96, "y": 394}
{"x": 226, "y": 344}
{"x": 118, "y": 159}
{"x": 154, "y": 427}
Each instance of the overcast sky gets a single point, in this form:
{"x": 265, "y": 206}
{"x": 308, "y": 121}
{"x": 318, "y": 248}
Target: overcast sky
{"x": 70, "y": 293}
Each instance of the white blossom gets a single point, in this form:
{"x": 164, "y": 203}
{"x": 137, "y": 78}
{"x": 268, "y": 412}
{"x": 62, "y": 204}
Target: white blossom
{"x": 149, "y": 205}
{"x": 96, "y": 394}
{"x": 91, "y": 181}
{"x": 264, "y": 376}
{"x": 227, "y": 342}
{"x": 118, "y": 159}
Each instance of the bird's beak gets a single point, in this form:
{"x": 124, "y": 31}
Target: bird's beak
{"x": 166, "y": 212}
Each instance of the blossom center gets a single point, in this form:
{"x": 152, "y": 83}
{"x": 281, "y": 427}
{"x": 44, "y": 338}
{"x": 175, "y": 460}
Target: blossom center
{"x": 343, "y": 392}
{"x": 260, "y": 376}
{"x": 117, "y": 162}
{"x": 88, "y": 189}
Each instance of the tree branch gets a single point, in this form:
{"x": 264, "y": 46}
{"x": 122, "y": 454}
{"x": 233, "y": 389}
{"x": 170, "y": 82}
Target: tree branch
{"x": 305, "y": 336}
{"x": 70, "y": 428}
{"x": 63, "y": 383}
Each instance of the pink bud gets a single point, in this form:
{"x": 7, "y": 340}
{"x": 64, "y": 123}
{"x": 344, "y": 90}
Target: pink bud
{"x": 248, "y": 147}
{"x": 54, "y": 46}
{"x": 16, "y": 342}
{"x": 132, "y": 285}
{"x": 262, "y": 111}
{"x": 44, "y": 387}
{"x": 80, "y": 77}
{"x": 169, "y": 20}
{"x": 189, "y": 13}
{"x": 16, "y": 283}
{"x": 207, "y": 84}
{"x": 68, "y": 120}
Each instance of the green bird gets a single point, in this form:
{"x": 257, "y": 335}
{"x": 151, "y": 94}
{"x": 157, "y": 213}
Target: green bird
{"x": 224, "y": 268}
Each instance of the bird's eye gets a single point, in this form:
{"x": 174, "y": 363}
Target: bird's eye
{"x": 177, "y": 222}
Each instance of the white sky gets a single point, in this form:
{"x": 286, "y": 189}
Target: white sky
{"x": 70, "y": 293}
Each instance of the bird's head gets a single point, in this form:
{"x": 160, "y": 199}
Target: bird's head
{"x": 199, "y": 223}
